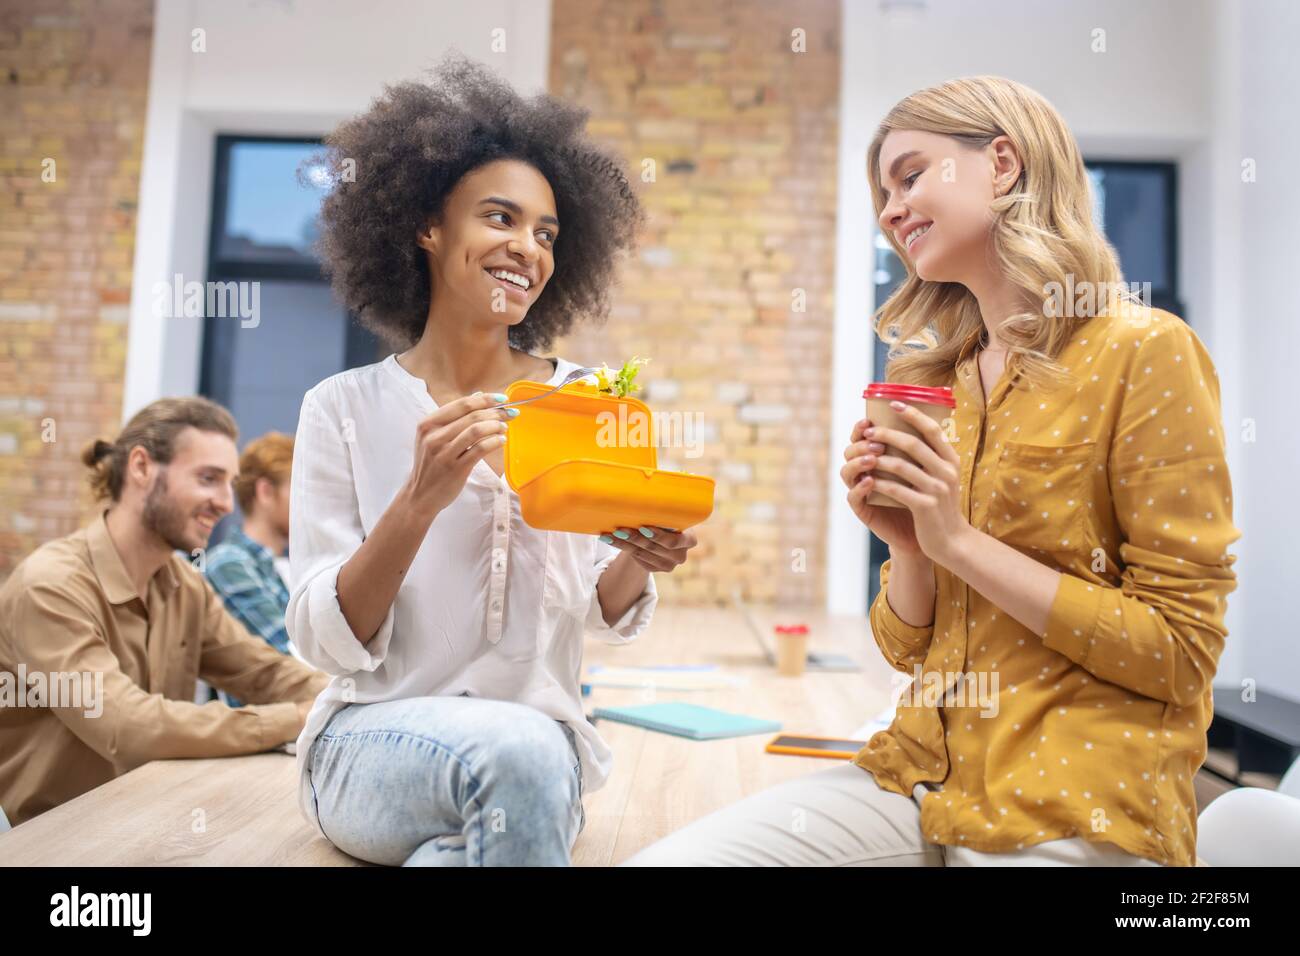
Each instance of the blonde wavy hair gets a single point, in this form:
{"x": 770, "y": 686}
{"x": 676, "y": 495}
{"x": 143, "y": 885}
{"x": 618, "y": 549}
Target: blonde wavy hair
{"x": 1042, "y": 233}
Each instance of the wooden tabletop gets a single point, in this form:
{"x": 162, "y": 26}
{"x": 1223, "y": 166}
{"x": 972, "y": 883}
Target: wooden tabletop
{"x": 242, "y": 811}
{"x": 660, "y": 783}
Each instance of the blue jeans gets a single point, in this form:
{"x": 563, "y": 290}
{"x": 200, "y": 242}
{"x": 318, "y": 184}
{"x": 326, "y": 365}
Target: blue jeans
{"x": 448, "y": 781}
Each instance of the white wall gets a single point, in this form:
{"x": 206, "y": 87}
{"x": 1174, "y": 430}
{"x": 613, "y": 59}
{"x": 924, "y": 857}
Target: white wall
{"x": 287, "y": 67}
{"x": 1203, "y": 83}
{"x": 1259, "y": 321}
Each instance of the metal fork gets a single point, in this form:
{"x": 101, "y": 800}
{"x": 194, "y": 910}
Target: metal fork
{"x": 573, "y": 376}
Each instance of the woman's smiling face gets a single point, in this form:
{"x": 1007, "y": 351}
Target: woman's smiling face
{"x": 493, "y": 248}
{"x": 938, "y": 192}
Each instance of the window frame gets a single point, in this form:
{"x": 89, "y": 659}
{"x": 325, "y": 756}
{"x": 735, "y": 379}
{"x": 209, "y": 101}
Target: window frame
{"x": 217, "y": 344}
{"x": 1168, "y": 170}
{"x": 220, "y": 269}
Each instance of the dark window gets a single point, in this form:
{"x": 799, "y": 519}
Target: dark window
{"x": 264, "y": 225}
{"x": 1137, "y": 206}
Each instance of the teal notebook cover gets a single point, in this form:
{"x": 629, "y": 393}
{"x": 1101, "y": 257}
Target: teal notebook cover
{"x": 688, "y": 720}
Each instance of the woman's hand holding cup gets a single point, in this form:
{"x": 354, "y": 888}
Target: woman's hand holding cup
{"x": 928, "y": 487}
{"x": 891, "y": 525}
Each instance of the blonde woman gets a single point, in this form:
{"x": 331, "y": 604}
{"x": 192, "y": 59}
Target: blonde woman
{"x": 1065, "y": 539}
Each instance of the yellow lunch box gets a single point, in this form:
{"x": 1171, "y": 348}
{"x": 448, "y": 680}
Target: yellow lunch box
{"x": 569, "y": 459}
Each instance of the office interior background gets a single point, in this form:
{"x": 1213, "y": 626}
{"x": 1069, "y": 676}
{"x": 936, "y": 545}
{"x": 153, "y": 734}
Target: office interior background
{"x": 176, "y": 128}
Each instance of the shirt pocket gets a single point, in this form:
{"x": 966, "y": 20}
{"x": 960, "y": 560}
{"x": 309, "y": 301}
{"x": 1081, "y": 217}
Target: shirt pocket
{"x": 1040, "y": 495}
{"x": 570, "y": 576}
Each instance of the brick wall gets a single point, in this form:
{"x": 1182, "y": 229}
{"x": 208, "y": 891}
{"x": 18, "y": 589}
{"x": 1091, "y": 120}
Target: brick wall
{"x": 742, "y": 131}
{"x": 74, "y": 80}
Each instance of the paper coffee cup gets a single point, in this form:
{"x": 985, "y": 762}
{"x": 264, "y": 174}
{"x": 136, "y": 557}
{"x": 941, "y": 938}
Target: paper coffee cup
{"x": 791, "y": 650}
{"x": 936, "y": 403}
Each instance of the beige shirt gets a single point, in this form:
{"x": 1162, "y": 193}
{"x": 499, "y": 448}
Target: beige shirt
{"x": 1118, "y": 480}
{"x": 96, "y": 679}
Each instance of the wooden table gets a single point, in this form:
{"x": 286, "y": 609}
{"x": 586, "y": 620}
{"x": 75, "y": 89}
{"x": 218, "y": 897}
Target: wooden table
{"x": 660, "y": 783}
{"x": 242, "y": 811}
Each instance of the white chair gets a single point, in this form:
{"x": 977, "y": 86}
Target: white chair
{"x": 1250, "y": 826}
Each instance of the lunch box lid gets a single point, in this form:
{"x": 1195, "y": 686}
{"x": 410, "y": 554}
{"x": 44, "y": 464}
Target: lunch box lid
{"x": 578, "y": 422}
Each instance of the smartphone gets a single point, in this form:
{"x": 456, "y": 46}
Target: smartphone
{"x": 815, "y": 746}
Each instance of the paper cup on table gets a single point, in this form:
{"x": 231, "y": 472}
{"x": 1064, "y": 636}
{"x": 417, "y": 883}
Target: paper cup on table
{"x": 791, "y": 650}
{"x": 936, "y": 403}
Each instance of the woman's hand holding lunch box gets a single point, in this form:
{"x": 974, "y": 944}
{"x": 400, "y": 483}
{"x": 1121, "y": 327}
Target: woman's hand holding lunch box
{"x": 655, "y": 549}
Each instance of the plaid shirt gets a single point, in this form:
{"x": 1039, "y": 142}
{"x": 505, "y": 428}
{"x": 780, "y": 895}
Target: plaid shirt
{"x": 243, "y": 573}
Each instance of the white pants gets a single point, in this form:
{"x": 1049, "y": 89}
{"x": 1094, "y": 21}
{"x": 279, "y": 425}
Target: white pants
{"x": 841, "y": 817}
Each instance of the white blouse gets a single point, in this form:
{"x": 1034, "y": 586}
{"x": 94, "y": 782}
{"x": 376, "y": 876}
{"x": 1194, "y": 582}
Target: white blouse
{"x": 490, "y": 606}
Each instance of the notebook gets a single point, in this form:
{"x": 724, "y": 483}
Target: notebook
{"x": 688, "y": 720}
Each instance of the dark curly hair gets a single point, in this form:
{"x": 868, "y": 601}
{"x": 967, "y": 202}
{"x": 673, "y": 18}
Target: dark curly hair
{"x": 408, "y": 151}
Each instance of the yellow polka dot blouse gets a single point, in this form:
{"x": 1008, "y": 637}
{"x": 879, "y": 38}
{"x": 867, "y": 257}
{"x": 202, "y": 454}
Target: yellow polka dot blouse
{"x": 1118, "y": 480}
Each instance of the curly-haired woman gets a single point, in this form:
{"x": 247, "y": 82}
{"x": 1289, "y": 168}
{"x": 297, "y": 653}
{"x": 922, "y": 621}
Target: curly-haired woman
{"x": 476, "y": 227}
{"x": 1064, "y": 540}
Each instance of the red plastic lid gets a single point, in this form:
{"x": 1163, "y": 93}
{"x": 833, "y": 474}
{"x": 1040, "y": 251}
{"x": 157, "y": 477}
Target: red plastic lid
{"x": 792, "y": 629}
{"x": 911, "y": 393}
